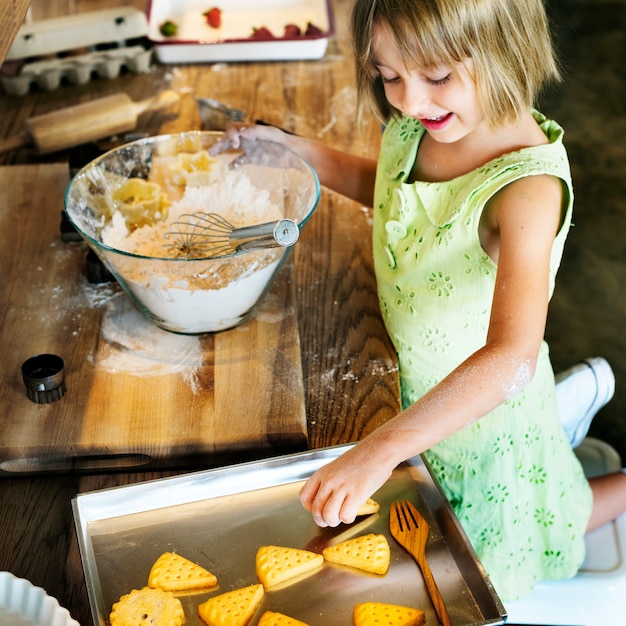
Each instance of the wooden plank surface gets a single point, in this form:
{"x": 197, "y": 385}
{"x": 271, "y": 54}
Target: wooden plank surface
{"x": 348, "y": 364}
{"x": 136, "y": 395}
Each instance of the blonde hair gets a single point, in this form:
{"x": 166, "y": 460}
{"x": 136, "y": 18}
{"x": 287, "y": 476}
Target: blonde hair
{"x": 508, "y": 42}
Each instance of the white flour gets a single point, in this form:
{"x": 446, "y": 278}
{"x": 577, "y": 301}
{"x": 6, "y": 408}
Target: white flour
{"x": 181, "y": 307}
{"x": 230, "y": 193}
{"x": 129, "y": 343}
{"x": 197, "y": 295}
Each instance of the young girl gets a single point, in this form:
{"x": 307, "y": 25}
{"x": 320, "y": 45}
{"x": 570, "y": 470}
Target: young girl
{"x": 472, "y": 201}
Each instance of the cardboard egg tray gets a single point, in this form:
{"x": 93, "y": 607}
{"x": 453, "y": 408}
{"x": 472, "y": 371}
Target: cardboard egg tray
{"x": 75, "y": 48}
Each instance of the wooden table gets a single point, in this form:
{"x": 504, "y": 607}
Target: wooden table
{"x": 349, "y": 368}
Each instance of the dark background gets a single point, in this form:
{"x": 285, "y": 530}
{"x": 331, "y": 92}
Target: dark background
{"x": 588, "y": 312}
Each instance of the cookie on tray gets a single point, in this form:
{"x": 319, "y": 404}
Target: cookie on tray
{"x": 369, "y": 507}
{"x": 147, "y": 606}
{"x": 377, "y": 614}
{"x": 370, "y": 553}
{"x": 277, "y": 564}
{"x": 172, "y": 572}
{"x": 232, "y": 608}
{"x": 271, "y": 618}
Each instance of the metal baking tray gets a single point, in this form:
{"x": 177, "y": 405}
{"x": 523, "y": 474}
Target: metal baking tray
{"x": 219, "y": 518}
{"x": 196, "y": 42}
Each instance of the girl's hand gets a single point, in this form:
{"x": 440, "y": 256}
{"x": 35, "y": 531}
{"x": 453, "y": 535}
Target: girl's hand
{"x": 336, "y": 491}
{"x": 238, "y": 134}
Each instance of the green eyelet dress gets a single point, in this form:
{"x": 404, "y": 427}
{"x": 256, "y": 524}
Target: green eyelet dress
{"x": 511, "y": 477}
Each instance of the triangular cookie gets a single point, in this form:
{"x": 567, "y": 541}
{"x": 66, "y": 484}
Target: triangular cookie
{"x": 233, "y": 608}
{"x": 377, "y": 614}
{"x": 275, "y": 564}
{"x": 370, "y": 553}
{"x": 369, "y": 507}
{"x": 173, "y": 572}
{"x": 269, "y": 618}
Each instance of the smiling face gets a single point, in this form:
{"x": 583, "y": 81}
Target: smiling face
{"x": 508, "y": 42}
{"x": 444, "y": 98}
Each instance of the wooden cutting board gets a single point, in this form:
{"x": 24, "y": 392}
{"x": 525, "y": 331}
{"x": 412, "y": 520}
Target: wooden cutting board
{"x": 137, "y": 396}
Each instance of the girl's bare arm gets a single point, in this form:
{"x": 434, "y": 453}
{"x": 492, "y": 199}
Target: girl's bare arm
{"x": 526, "y": 215}
{"x": 351, "y": 176}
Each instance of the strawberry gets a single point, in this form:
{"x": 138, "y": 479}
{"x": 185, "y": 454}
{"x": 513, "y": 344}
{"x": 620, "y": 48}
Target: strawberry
{"x": 292, "y": 30}
{"x": 213, "y": 17}
{"x": 313, "y": 30}
{"x": 262, "y": 34}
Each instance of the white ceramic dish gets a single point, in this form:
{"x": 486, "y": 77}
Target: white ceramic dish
{"x": 196, "y": 42}
{"x": 23, "y": 604}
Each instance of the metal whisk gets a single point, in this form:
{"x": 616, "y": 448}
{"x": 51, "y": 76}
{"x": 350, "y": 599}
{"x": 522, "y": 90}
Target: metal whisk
{"x": 211, "y": 235}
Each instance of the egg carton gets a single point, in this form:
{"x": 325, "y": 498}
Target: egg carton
{"x": 75, "y": 48}
{"x": 77, "y": 70}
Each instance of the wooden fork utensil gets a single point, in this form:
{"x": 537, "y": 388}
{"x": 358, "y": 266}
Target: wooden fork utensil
{"x": 410, "y": 530}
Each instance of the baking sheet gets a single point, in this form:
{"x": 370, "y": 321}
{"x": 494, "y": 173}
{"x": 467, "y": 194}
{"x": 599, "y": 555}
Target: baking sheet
{"x": 197, "y": 42}
{"x": 219, "y": 518}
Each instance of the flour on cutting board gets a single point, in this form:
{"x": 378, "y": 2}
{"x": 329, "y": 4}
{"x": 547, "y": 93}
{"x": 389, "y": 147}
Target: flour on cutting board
{"x": 131, "y": 344}
{"x": 98, "y": 295}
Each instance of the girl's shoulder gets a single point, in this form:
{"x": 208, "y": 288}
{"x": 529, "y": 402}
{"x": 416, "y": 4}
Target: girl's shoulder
{"x": 406, "y": 155}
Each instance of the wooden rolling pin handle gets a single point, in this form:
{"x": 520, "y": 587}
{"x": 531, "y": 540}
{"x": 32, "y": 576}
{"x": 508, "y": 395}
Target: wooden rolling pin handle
{"x": 161, "y": 101}
{"x": 91, "y": 121}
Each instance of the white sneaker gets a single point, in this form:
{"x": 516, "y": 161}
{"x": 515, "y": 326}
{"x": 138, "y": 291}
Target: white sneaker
{"x": 581, "y": 391}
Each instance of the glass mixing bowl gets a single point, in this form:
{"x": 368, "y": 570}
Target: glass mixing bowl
{"x": 124, "y": 204}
